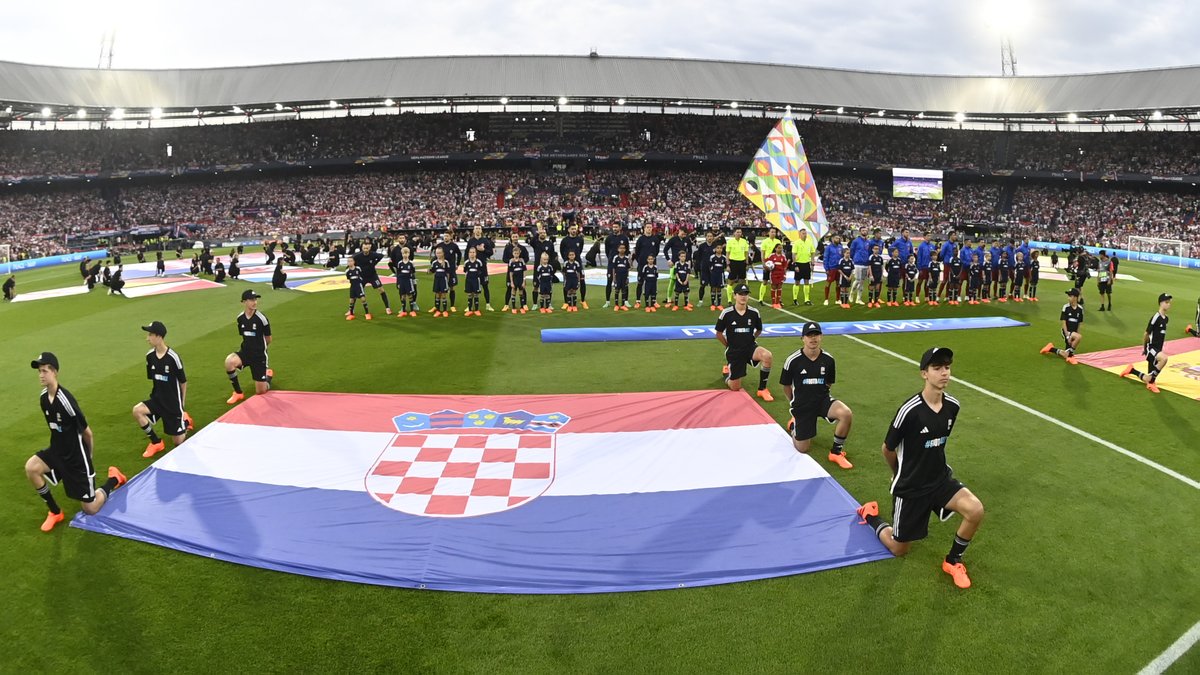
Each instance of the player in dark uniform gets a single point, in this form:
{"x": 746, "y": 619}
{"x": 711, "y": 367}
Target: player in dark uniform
{"x": 573, "y": 280}
{"x": 618, "y": 272}
{"x": 922, "y": 482}
{"x": 974, "y": 280}
{"x": 68, "y": 460}
{"x": 366, "y": 260}
{"x": 234, "y": 271}
{"x": 516, "y": 281}
{"x": 10, "y": 285}
{"x": 895, "y": 270}
{"x": 648, "y": 280}
{"x": 646, "y": 247}
{"x": 1003, "y": 274}
{"x": 278, "y": 277}
{"x": 406, "y": 283}
{"x": 453, "y": 255}
{"x": 573, "y": 242}
{"x": 682, "y": 272}
{"x": 717, "y": 264}
{"x": 612, "y": 243}
{"x": 875, "y": 273}
{"x": 441, "y": 269}
{"x": 806, "y": 378}
{"x": 738, "y": 328}
{"x": 543, "y": 276}
{"x": 160, "y": 267}
{"x": 1071, "y": 317}
{"x": 252, "y": 325}
{"x": 1193, "y": 329}
{"x": 911, "y": 274}
{"x": 475, "y": 270}
{"x": 357, "y": 290}
{"x": 485, "y": 248}
{"x": 954, "y": 282}
{"x": 931, "y": 286}
{"x": 1152, "y": 345}
{"x": 1020, "y": 275}
{"x": 845, "y": 278}
{"x": 1035, "y": 273}
{"x": 704, "y": 253}
{"x": 1104, "y": 279}
{"x": 168, "y": 393}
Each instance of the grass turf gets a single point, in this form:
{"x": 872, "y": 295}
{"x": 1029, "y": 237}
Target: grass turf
{"x": 1085, "y": 560}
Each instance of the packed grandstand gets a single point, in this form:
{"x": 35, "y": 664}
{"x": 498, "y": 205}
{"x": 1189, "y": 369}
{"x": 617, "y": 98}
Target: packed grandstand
{"x": 384, "y": 170}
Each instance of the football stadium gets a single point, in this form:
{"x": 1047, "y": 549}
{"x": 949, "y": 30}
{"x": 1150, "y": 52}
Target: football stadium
{"x": 510, "y": 363}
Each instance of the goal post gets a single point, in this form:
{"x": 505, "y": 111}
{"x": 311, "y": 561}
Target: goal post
{"x": 1153, "y": 249}
{"x": 5, "y": 258}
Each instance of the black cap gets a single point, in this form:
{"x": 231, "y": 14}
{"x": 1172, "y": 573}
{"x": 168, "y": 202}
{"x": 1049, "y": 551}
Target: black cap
{"x": 741, "y": 289}
{"x": 156, "y": 327}
{"x": 1163, "y": 297}
{"x": 44, "y": 359}
{"x": 1073, "y": 291}
{"x": 943, "y": 355}
{"x": 811, "y": 328}
{"x": 249, "y": 294}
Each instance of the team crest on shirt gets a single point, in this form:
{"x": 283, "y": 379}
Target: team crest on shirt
{"x": 452, "y": 464}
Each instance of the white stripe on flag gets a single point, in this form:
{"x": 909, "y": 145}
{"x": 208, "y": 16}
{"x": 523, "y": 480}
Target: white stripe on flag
{"x": 595, "y": 463}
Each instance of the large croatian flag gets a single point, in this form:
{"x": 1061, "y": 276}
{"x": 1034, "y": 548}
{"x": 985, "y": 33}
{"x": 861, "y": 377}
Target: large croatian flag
{"x": 504, "y": 494}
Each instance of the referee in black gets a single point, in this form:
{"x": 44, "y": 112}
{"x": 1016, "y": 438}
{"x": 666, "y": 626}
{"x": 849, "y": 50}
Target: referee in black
{"x": 68, "y": 460}
{"x": 255, "y": 330}
{"x": 168, "y": 392}
{"x": 807, "y": 377}
{"x": 738, "y": 328}
{"x": 366, "y": 260}
{"x": 922, "y": 482}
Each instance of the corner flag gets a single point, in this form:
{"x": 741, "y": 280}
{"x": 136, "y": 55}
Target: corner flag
{"x": 780, "y": 183}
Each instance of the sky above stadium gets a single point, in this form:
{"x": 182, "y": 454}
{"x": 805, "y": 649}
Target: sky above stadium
{"x": 943, "y": 37}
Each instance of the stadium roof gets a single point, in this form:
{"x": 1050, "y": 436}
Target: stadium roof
{"x": 597, "y": 79}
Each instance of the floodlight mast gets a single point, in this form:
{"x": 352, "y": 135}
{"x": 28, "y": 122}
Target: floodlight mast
{"x": 1008, "y": 60}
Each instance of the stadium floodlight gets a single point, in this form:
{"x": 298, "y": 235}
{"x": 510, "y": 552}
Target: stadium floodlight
{"x": 620, "y": 101}
{"x": 332, "y": 103}
{"x": 840, "y": 110}
{"x": 1111, "y": 116}
{"x": 562, "y": 100}
{"x": 733, "y": 104}
{"x": 278, "y": 107}
{"x": 389, "y": 102}
{"x": 881, "y": 112}
{"x": 960, "y": 117}
{"x": 1072, "y": 118}
{"x": 1156, "y": 115}
{"x": 237, "y": 110}
{"x": 46, "y": 112}
{"x": 503, "y": 100}
{"x": 117, "y": 114}
{"x": 8, "y": 110}
{"x": 81, "y": 113}
{"x": 196, "y": 112}
{"x": 156, "y": 113}
{"x": 920, "y": 115}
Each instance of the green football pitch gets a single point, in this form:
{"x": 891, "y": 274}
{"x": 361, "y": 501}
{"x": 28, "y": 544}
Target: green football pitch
{"x": 1086, "y": 561}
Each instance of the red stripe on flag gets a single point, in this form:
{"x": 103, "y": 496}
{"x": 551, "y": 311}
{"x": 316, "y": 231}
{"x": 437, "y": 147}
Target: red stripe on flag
{"x": 589, "y": 413}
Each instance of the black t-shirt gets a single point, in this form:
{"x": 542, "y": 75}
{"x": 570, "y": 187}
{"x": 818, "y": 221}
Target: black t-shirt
{"x": 254, "y": 330}
{"x": 366, "y": 262}
{"x": 475, "y": 269}
{"x": 544, "y": 275}
{"x": 894, "y": 267}
{"x": 569, "y": 244}
{"x": 489, "y": 247}
{"x": 66, "y": 421}
{"x": 740, "y": 329}
{"x": 618, "y": 267}
{"x": 354, "y": 276}
{"x": 1157, "y": 328}
{"x": 876, "y": 264}
{"x": 1072, "y": 315}
{"x": 810, "y": 378}
{"x": 167, "y": 374}
{"x": 516, "y": 272}
{"x": 450, "y": 251}
{"x": 918, "y": 436}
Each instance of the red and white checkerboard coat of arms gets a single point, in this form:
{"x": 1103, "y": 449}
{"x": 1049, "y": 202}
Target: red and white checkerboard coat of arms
{"x": 446, "y": 470}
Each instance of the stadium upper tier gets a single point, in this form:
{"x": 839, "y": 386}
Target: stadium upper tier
{"x": 732, "y": 139}
{"x": 598, "y": 79}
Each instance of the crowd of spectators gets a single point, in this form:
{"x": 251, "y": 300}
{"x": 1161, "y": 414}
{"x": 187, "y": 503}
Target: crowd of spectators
{"x": 64, "y": 152}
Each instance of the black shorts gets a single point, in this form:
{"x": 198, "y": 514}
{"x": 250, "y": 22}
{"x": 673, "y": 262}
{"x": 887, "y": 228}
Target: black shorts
{"x": 440, "y": 284}
{"x": 1080, "y": 281}
{"x": 806, "y": 418}
{"x": 738, "y": 360}
{"x": 172, "y": 417}
{"x": 257, "y": 363}
{"x": 78, "y": 477}
{"x": 373, "y": 282}
{"x": 803, "y": 271}
{"x": 356, "y": 291}
{"x": 474, "y": 284}
{"x": 1066, "y": 333}
{"x": 404, "y": 286}
{"x": 910, "y": 515}
{"x": 737, "y": 270}
{"x": 1104, "y": 286}
{"x": 1151, "y": 356}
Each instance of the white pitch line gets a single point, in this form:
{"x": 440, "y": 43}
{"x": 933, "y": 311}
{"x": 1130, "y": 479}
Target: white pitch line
{"x": 1036, "y": 413}
{"x": 1189, "y": 639}
{"x": 1176, "y": 650}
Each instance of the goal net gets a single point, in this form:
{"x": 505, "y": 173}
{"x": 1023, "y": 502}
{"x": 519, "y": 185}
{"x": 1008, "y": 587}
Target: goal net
{"x": 5, "y": 258}
{"x": 1152, "y": 249}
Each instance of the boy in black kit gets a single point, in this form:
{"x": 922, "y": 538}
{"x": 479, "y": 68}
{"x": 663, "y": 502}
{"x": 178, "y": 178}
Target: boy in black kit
{"x": 255, "y": 330}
